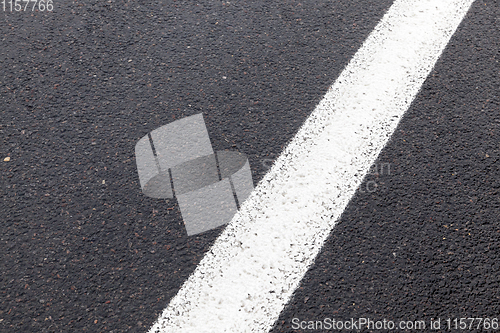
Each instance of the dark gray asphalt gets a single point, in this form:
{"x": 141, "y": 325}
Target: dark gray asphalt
{"x": 81, "y": 85}
{"x": 426, "y": 244}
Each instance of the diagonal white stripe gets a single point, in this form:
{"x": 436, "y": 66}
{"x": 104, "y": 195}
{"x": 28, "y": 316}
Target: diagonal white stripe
{"x": 250, "y": 273}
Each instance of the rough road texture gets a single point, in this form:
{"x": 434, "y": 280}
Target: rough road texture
{"x": 80, "y": 86}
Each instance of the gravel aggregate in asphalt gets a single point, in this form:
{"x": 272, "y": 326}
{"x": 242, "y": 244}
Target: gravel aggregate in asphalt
{"x": 84, "y": 250}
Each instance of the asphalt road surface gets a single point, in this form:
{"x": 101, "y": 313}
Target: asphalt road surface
{"x": 84, "y": 250}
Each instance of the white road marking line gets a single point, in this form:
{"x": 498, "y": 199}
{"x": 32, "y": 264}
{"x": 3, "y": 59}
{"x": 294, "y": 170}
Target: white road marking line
{"x": 245, "y": 280}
